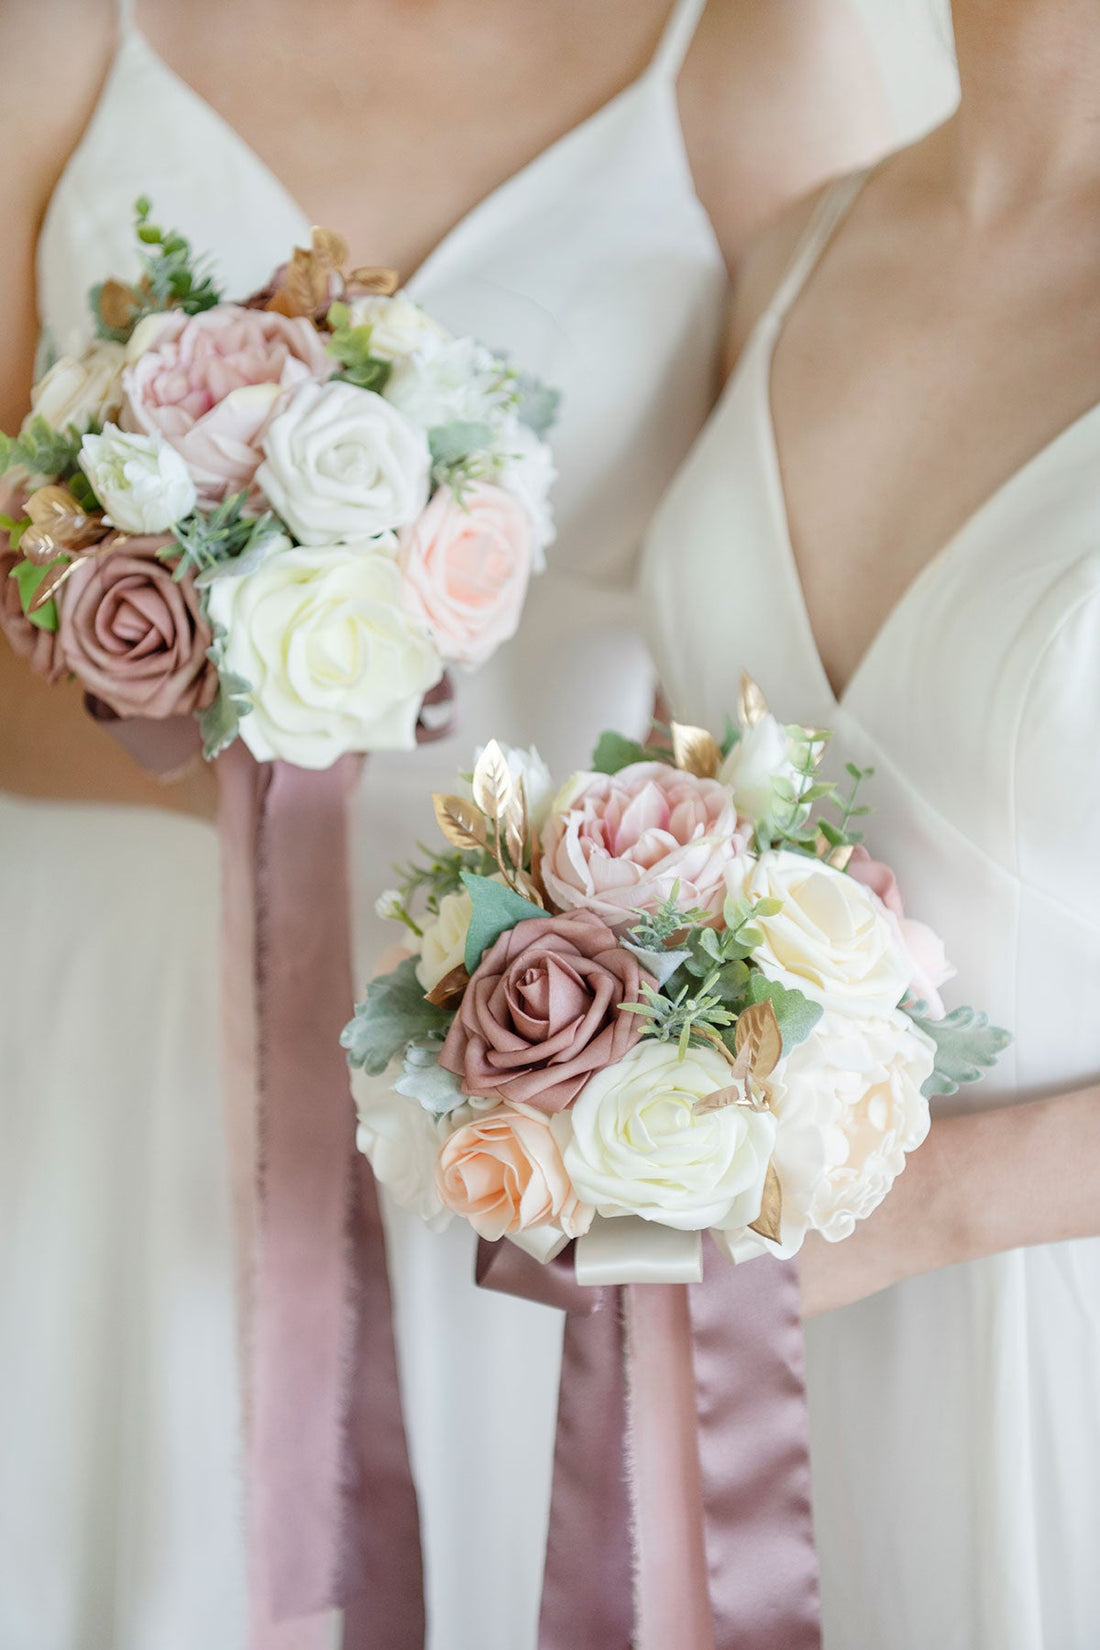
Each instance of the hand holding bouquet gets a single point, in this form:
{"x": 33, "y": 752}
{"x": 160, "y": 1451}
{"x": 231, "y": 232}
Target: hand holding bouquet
{"x": 679, "y": 990}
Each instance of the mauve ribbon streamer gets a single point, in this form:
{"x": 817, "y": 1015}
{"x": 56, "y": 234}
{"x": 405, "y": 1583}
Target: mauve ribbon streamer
{"x": 701, "y": 1409}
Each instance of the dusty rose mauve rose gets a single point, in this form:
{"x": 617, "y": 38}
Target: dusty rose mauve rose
{"x": 542, "y": 1012}
{"x": 619, "y": 843}
{"x": 41, "y": 648}
{"x": 466, "y": 569}
{"x": 921, "y": 944}
{"x": 504, "y": 1173}
{"x": 135, "y": 638}
{"x": 211, "y": 384}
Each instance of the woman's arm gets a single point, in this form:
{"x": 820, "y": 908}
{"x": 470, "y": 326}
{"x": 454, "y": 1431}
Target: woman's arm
{"x": 994, "y": 1180}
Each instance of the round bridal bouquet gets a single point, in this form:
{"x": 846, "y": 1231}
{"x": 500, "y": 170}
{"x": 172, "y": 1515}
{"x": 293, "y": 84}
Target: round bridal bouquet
{"x": 285, "y": 516}
{"x": 680, "y": 989}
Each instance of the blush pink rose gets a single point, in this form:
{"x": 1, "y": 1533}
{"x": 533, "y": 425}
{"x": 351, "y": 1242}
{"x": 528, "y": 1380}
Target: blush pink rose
{"x": 504, "y": 1173}
{"x": 922, "y": 946}
{"x": 134, "y": 637}
{"x": 467, "y": 566}
{"x": 544, "y": 1011}
{"x": 211, "y": 384}
{"x": 625, "y": 840}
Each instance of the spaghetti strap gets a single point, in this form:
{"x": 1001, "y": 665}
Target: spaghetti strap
{"x": 126, "y": 11}
{"x": 676, "y": 39}
{"x": 831, "y": 209}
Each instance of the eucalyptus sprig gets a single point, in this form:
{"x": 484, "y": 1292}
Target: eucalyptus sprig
{"x": 172, "y": 277}
{"x": 426, "y": 882}
{"x": 350, "y": 346}
{"x": 41, "y": 450}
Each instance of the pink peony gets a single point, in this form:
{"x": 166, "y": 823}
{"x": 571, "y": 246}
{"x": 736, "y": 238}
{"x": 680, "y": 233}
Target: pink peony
{"x": 924, "y": 948}
{"x": 466, "y": 569}
{"x": 625, "y": 840}
{"x": 211, "y": 384}
{"x": 504, "y": 1173}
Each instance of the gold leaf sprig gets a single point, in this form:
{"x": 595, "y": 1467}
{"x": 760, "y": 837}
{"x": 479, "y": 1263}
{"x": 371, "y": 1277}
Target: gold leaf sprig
{"x": 695, "y": 750}
{"x": 314, "y": 278}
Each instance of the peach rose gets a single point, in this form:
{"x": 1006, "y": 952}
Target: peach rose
{"x": 466, "y": 569}
{"x": 504, "y": 1173}
{"x": 921, "y": 944}
{"x": 211, "y": 384}
{"x": 619, "y": 843}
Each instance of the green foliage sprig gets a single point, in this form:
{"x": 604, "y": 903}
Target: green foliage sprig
{"x": 41, "y": 450}
{"x": 172, "y": 278}
{"x": 350, "y": 347}
{"x": 208, "y": 539}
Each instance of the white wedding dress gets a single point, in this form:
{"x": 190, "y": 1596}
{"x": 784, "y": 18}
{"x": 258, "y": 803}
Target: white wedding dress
{"x": 119, "y": 1494}
{"x": 956, "y": 1419}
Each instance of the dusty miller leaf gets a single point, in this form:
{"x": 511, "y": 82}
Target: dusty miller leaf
{"x": 394, "y": 1014}
{"x": 966, "y": 1046}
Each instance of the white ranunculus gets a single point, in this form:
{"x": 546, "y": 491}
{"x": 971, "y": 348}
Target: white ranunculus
{"x": 830, "y": 939}
{"x": 398, "y": 325}
{"x": 334, "y": 661}
{"x": 527, "y": 470}
{"x": 848, "y": 1106}
{"x": 456, "y": 382}
{"x": 760, "y": 757}
{"x": 633, "y": 1142}
{"x": 402, "y": 1142}
{"x": 342, "y": 463}
{"x": 443, "y": 945}
{"x": 538, "y": 783}
{"x": 142, "y": 483}
{"x": 81, "y": 390}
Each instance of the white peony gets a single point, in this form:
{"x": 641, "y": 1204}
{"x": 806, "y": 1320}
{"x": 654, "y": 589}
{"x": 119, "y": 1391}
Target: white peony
{"x": 455, "y": 382}
{"x": 333, "y": 660}
{"x": 81, "y": 390}
{"x": 830, "y": 939}
{"x": 760, "y": 757}
{"x": 341, "y": 463}
{"x": 443, "y": 945}
{"x": 142, "y": 483}
{"x": 633, "y": 1142}
{"x": 538, "y": 783}
{"x": 402, "y": 1142}
{"x": 527, "y": 470}
{"x": 398, "y": 325}
{"x": 848, "y": 1106}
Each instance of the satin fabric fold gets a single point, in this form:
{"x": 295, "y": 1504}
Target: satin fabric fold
{"x": 701, "y": 1411}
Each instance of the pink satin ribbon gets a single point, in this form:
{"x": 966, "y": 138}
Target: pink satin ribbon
{"x": 694, "y": 1395}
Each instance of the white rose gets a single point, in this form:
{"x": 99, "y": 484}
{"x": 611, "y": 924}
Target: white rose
{"x": 341, "y": 463}
{"x": 334, "y": 661}
{"x": 633, "y": 1142}
{"x": 81, "y": 390}
{"x": 447, "y": 383}
{"x": 830, "y": 939}
{"x": 398, "y": 326}
{"x": 142, "y": 483}
{"x": 760, "y": 757}
{"x": 527, "y": 470}
{"x": 848, "y": 1106}
{"x": 443, "y": 945}
{"x": 402, "y": 1142}
{"x": 538, "y": 783}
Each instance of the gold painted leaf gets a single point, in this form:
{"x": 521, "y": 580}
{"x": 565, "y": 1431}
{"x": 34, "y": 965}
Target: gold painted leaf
{"x": 450, "y": 990}
{"x": 50, "y": 585}
{"x": 769, "y": 1222}
{"x": 374, "y": 282}
{"x": 752, "y": 706}
{"x": 840, "y": 857}
{"x": 493, "y": 785}
{"x": 116, "y": 304}
{"x": 759, "y": 1036}
{"x": 59, "y": 523}
{"x": 695, "y": 750}
{"x": 459, "y": 821}
{"x": 328, "y": 248}
{"x": 515, "y": 825}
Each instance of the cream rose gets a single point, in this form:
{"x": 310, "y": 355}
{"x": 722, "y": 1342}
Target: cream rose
{"x": 341, "y": 463}
{"x": 633, "y": 1142}
{"x": 401, "y": 1141}
{"x": 142, "y": 483}
{"x": 443, "y": 946}
{"x": 334, "y": 661}
{"x": 81, "y": 390}
{"x": 398, "y": 326}
{"x": 848, "y": 1106}
{"x": 760, "y": 758}
{"x": 830, "y": 938}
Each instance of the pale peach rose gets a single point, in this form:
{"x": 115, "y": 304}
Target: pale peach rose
{"x": 212, "y": 383}
{"x": 921, "y": 944}
{"x": 503, "y": 1172}
{"x": 466, "y": 569}
{"x": 620, "y": 843}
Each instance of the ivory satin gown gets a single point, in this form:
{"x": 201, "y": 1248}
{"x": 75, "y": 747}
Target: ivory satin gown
{"x": 956, "y": 1418}
{"x": 119, "y": 1470}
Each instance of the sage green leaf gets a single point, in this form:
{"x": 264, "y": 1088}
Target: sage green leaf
{"x": 394, "y": 1014}
{"x": 613, "y": 753}
{"x": 496, "y": 910}
{"x": 538, "y": 404}
{"x": 966, "y": 1046}
{"x": 451, "y": 443}
{"x": 797, "y": 1014}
